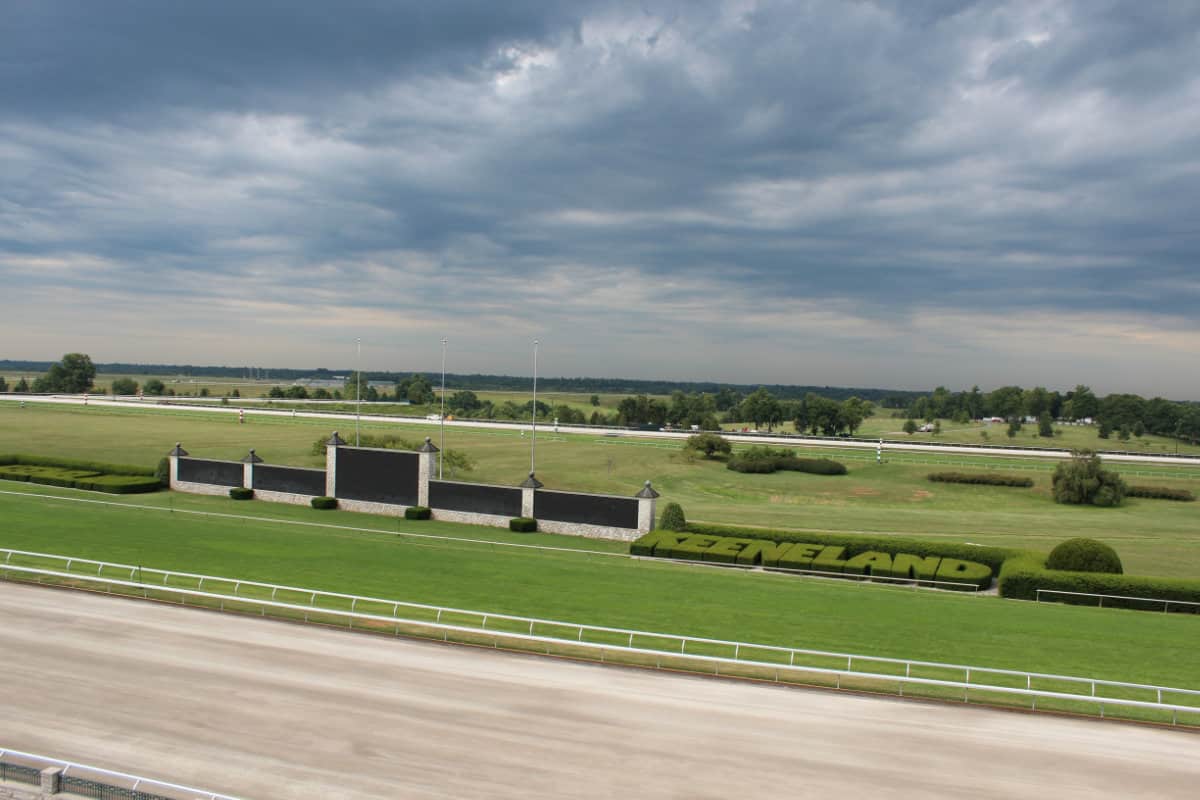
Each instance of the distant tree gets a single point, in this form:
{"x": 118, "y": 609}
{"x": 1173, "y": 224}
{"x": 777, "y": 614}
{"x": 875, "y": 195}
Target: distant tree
{"x": 76, "y": 373}
{"x": 320, "y": 394}
{"x": 1139, "y": 429}
{"x": 853, "y": 412}
{"x": 296, "y": 393}
{"x": 910, "y": 426}
{"x": 235, "y": 393}
{"x": 1105, "y": 430}
{"x": 708, "y": 444}
{"x": 276, "y": 392}
{"x": 1083, "y": 481}
{"x": 22, "y": 386}
{"x": 1083, "y": 403}
{"x": 1045, "y": 428}
{"x": 464, "y": 402}
{"x": 1123, "y": 434}
{"x": 937, "y": 427}
{"x": 1014, "y": 427}
{"x": 124, "y": 386}
{"x": 419, "y": 391}
{"x": 204, "y": 391}
{"x": 3, "y": 384}
{"x": 760, "y": 407}
{"x": 594, "y": 400}
{"x": 155, "y": 387}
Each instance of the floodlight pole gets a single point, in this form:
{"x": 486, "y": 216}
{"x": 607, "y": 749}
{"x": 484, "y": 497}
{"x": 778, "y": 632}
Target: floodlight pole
{"x": 357, "y": 388}
{"x": 442, "y": 417}
{"x": 533, "y": 436}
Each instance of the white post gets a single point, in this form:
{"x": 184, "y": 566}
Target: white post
{"x": 442, "y": 417}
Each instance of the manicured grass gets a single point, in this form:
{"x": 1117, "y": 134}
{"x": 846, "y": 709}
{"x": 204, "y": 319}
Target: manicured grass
{"x": 756, "y": 607}
{"x": 1153, "y": 537}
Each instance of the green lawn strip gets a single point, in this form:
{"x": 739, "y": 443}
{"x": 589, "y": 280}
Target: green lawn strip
{"x": 642, "y": 595}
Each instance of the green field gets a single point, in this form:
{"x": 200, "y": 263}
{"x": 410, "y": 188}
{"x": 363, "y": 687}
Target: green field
{"x": 1154, "y": 537}
{"x": 601, "y": 590}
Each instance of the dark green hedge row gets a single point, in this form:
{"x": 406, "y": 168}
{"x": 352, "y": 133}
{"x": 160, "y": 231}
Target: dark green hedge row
{"x": 522, "y": 525}
{"x": 994, "y": 557}
{"x": 324, "y": 503}
{"x": 981, "y": 478}
{"x": 810, "y": 556}
{"x": 1160, "y": 493}
{"x": 417, "y": 512}
{"x": 769, "y": 459}
{"x": 80, "y": 479}
{"x": 241, "y": 493}
{"x": 71, "y": 463}
{"x": 1022, "y": 577}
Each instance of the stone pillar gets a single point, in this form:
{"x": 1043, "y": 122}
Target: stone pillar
{"x": 51, "y": 780}
{"x": 647, "y": 505}
{"x": 426, "y": 469}
{"x": 173, "y": 458}
{"x": 248, "y": 468}
{"x": 331, "y": 451}
{"x": 528, "y": 487}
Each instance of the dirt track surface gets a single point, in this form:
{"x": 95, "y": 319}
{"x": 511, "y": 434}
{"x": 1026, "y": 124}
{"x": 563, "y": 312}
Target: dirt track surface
{"x": 266, "y": 710}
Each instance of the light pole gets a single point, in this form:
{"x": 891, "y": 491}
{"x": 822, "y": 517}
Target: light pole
{"x": 533, "y": 436}
{"x": 357, "y": 388}
{"x": 442, "y": 418}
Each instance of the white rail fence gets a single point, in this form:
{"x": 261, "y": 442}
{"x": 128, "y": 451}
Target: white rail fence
{"x": 107, "y": 782}
{"x": 1150, "y": 601}
{"x": 662, "y": 650}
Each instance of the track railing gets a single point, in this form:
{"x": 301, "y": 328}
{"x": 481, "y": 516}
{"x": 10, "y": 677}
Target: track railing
{"x": 97, "y": 782}
{"x": 661, "y": 650}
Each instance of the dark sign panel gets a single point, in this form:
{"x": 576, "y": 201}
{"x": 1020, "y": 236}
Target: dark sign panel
{"x": 504, "y": 501}
{"x": 377, "y": 476}
{"x": 289, "y": 479}
{"x": 218, "y": 473}
{"x": 588, "y": 509}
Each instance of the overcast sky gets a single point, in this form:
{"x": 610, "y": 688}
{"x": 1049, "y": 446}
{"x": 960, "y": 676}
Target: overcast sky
{"x": 891, "y": 194}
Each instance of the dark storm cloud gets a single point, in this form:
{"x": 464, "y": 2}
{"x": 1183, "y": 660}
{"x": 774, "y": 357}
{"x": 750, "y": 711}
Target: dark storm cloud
{"x": 853, "y": 173}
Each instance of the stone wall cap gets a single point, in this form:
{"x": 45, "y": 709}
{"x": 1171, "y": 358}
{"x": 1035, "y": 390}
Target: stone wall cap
{"x": 177, "y": 450}
{"x": 531, "y": 483}
{"x": 335, "y": 440}
{"x": 252, "y": 458}
{"x": 428, "y": 446}
{"x": 648, "y": 491}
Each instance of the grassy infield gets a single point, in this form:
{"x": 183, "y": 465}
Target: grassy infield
{"x": 1154, "y": 537}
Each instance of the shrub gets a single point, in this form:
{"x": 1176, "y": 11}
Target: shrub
{"x": 815, "y": 466}
{"x": 708, "y": 444}
{"x": 672, "y": 518}
{"x": 324, "y": 503}
{"x": 984, "y": 478}
{"x": 1083, "y": 481}
{"x": 241, "y": 493}
{"x": 760, "y": 459}
{"x": 162, "y": 472}
{"x": 73, "y": 463}
{"x": 418, "y": 512}
{"x": 522, "y": 524}
{"x": 1022, "y": 577}
{"x": 1160, "y": 493}
{"x": 119, "y": 484}
{"x": 1084, "y": 555}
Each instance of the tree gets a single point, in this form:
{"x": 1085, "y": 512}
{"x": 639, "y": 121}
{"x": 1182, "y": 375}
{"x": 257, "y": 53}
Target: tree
{"x": 1082, "y": 481}
{"x": 3, "y": 384}
{"x": 124, "y": 386}
{"x": 759, "y": 407}
{"x": 594, "y": 400}
{"x": 1105, "y": 429}
{"x": 77, "y": 373}
{"x": 419, "y": 391}
{"x": 708, "y": 444}
{"x": 937, "y": 427}
{"x": 910, "y": 426}
{"x": 1045, "y": 428}
{"x": 276, "y": 393}
{"x": 1139, "y": 429}
{"x": 1083, "y": 402}
{"x": 1014, "y": 427}
{"x": 464, "y": 402}
{"x": 296, "y": 393}
{"x": 156, "y": 387}
{"x": 854, "y": 411}
{"x": 22, "y": 386}
{"x": 204, "y": 391}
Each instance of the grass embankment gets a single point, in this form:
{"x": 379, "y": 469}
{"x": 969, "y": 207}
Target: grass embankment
{"x": 756, "y": 607}
{"x": 1154, "y": 537}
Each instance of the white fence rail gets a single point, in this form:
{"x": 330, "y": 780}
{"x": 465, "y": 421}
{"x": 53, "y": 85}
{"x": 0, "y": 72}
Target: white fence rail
{"x": 774, "y": 659}
{"x": 123, "y": 784}
{"x": 1151, "y": 601}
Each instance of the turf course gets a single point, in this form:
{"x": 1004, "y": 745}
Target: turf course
{"x": 1153, "y": 537}
{"x": 596, "y": 589}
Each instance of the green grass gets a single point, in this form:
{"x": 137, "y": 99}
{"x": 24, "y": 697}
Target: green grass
{"x": 599, "y": 590}
{"x": 1153, "y": 537}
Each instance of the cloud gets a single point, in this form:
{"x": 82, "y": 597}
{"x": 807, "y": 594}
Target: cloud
{"x": 902, "y": 194}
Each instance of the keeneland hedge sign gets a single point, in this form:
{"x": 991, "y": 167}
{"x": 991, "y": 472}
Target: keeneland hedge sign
{"x": 812, "y": 557}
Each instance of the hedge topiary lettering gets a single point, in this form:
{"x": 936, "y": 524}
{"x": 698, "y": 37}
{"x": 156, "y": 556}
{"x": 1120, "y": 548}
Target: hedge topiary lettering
{"x": 324, "y": 503}
{"x": 418, "y": 512}
{"x": 522, "y": 524}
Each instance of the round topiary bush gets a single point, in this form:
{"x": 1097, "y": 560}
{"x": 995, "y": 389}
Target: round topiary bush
{"x": 1085, "y": 555}
{"x": 672, "y": 518}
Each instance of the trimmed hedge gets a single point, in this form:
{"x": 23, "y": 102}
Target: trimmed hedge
{"x": 1022, "y": 577}
{"x": 522, "y": 525}
{"x": 765, "y": 460}
{"x": 1160, "y": 493}
{"x": 71, "y": 463}
{"x": 855, "y": 544}
{"x": 1084, "y": 555}
{"x": 417, "y": 512}
{"x": 981, "y": 478}
{"x": 241, "y": 493}
{"x": 672, "y": 518}
{"x": 89, "y": 480}
{"x": 324, "y": 503}
{"x": 811, "y": 556}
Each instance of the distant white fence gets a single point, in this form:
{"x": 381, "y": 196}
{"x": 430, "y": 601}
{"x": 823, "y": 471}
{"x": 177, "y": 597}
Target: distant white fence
{"x": 1150, "y": 601}
{"x": 666, "y": 650}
